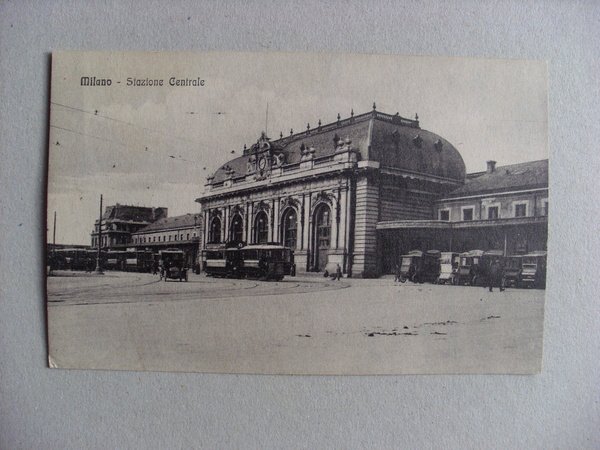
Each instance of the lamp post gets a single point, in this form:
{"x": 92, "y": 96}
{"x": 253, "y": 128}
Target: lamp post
{"x": 98, "y": 254}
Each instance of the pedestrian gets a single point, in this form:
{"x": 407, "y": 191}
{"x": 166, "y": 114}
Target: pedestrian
{"x": 397, "y": 273}
{"x": 494, "y": 276}
{"x": 338, "y": 272}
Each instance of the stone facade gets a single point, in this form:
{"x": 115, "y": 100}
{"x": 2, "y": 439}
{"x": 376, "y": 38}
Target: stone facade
{"x": 323, "y": 191}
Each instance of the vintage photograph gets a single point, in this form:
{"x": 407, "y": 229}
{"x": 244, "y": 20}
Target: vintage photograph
{"x": 296, "y": 213}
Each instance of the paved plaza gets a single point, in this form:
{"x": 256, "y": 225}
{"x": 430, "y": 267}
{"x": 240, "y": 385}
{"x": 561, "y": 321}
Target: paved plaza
{"x": 302, "y": 325}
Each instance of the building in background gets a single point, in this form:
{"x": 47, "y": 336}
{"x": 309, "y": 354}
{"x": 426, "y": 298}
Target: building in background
{"x": 119, "y": 222}
{"x": 181, "y": 232}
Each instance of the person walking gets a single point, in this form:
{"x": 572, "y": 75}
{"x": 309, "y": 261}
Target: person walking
{"x": 494, "y": 276}
{"x": 338, "y": 272}
{"x": 397, "y": 273}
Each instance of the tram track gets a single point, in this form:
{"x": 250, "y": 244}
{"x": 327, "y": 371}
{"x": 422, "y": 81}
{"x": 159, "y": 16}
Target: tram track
{"x": 132, "y": 292}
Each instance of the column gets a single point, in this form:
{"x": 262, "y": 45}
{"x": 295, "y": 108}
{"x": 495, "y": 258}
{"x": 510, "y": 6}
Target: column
{"x": 301, "y": 223}
{"x": 342, "y": 234}
{"x": 246, "y": 222}
{"x": 227, "y": 224}
{"x": 276, "y": 225}
{"x": 250, "y": 224}
{"x": 271, "y": 221}
{"x": 205, "y": 230}
{"x": 307, "y": 226}
{"x": 335, "y": 220}
{"x": 223, "y": 224}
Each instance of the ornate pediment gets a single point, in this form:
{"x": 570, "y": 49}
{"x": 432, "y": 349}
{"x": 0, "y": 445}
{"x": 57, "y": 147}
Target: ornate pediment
{"x": 323, "y": 196}
{"x": 237, "y": 209}
{"x": 262, "y": 206}
{"x": 214, "y": 213}
{"x": 289, "y": 201}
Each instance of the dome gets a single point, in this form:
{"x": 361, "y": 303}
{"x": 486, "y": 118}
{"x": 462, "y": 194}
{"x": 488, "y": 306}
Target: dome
{"x": 415, "y": 150}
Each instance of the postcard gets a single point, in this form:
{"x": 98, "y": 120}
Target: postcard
{"x": 296, "y": 213}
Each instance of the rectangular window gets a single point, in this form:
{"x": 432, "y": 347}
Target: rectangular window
{"x": 445, "y": 214}
{"x": 467, "y": 214}
{"x": 545, "y": 209}
{"x": 493, "y": 212}
{"x": 520, "y": 210}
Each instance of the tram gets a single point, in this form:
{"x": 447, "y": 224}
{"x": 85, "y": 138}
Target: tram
{"x": 138, "y": 260}
{"x": 69, "y": 258}
{"x": 262, "y": 261}
{"x": 115, "y": 260}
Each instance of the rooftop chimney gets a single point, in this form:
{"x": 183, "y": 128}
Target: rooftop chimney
{"x": 491, "y": 166}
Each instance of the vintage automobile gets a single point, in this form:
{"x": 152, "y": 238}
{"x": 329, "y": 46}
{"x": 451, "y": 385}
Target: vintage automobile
{"x": 468, "y": 269}
{"x": 512, "y": 271}
{"x": 173, "y": 265}
{"x": 448, "y": 268}
{"x": 175, "y": 273}
{"x": 533, "y": 272}
{"x": 418, "y": 266}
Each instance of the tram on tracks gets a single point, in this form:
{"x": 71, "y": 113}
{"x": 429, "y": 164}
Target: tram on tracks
{"x": 270, "y": 261}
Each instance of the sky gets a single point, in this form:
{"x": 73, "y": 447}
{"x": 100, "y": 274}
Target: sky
{"x": 155, "y": 146}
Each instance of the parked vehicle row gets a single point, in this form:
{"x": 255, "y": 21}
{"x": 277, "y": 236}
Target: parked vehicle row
{"x": 130, "y": 260}
{"x": 473, "y": 268}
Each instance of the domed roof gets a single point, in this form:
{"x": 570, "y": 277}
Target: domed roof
{"x": 391, "y": 140}
{"x": 415, "y": 150}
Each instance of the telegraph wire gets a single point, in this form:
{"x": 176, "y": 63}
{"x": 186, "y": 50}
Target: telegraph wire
{"x": 121, "y": 144}
{"x": 96, "y": 113}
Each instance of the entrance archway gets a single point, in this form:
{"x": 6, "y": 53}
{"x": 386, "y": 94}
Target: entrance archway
{"x": 236, "y": 233}
{"x": 289, "y": 236}
{"x": 261, "y": 228}
{"x": 322, "y": 236}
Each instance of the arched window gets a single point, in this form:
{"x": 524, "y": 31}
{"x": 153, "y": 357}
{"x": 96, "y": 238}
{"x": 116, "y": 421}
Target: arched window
{"x": 214, "y": 232}
{"x": 290, "y": 228}
{"x": 323, "y": 227}
{"x": 322, "y": 236}
{"x": 236, "y": 229}
{"x": 261, "y": 228}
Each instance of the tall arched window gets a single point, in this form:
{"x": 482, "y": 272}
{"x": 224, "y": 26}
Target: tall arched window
{"x": 290, "y": 228}
{"x": 261, "y": 228}
{"x": 237, "y": 229}
{"x": 322, "y": 236}
{"x": 214, "y": 232}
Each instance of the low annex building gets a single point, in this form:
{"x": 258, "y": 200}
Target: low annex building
{"x": 181, "y": 232}
{"x": 503, "y": 208}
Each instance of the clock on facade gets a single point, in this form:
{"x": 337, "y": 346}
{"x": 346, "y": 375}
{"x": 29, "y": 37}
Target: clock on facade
{"x": 262, "y": 163}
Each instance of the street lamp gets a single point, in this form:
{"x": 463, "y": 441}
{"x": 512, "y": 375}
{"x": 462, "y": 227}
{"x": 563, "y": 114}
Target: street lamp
{"x": 98, "y": 254}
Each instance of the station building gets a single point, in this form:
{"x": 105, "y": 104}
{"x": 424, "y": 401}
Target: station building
{"x": 363, "y": 190}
